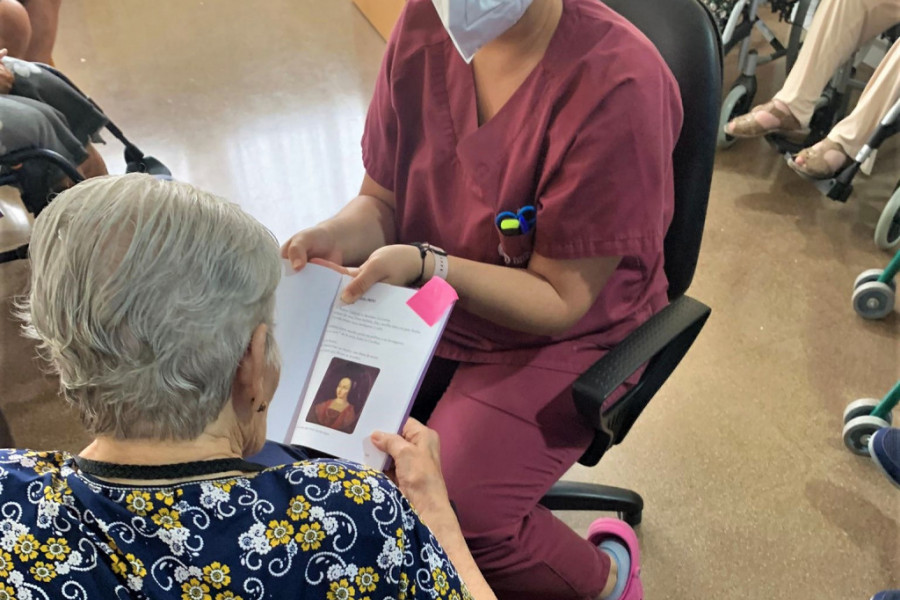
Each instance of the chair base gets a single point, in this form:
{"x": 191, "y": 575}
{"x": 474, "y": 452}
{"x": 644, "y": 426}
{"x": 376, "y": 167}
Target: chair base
{"x": 572, "y": 495}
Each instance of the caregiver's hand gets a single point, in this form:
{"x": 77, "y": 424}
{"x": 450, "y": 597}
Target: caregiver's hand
{"x": 314, "y": 243}
{"x": 417, "y": 468}
{"x": 397, "y": 264}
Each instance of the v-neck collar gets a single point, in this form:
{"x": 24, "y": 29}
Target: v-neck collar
{"x": 464, "y": 73}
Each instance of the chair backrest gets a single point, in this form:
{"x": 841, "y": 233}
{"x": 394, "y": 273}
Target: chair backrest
{"x": 686, "y": 36}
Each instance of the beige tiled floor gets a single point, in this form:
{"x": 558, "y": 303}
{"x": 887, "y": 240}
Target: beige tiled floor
{"x": 749, "y": 491}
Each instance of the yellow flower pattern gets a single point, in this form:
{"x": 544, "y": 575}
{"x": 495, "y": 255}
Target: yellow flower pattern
{"x": 57, "y": 490}
{"x": 225, "y": 485}
{"x": 279, "y": 532}
{"x": 298, "y": 509}
{"x": 187, "y": 532}
{"x": 119, "y": 566}
{"x": 26, "y": 547}
{"x": 366, "y": 578}
{"x": 168, "y": 497}
{"x": 357, "y": 491}
{"x": 44, "y": 468}
{"x": 216, "y": 575}
{"x": 404, "y": 588}
{"x": 137, "y": 565}
{"x": 341, "y": 590}
{"x": 331, "y": 472}
{"x": 139, "y": 503}
{"x": 194, "y": 589}
{"x": 310, "y": 536}
{"x": 56, "y": 549}
{"x": 441, "y": 583}
{"x": 43, "y": 572}
{"x": 6, "y": 564}
{"x": 167, "y": 518}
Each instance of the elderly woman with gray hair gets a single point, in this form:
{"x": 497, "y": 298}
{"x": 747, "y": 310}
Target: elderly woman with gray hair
{"x": 153, "y": 301}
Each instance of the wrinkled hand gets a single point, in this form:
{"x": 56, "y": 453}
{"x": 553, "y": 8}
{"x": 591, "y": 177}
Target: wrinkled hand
{"x": 417, "y": 466}
{"x": 398, "y": 264}
{"x": 313, "y": 243}
{"x": 7, "y": 78}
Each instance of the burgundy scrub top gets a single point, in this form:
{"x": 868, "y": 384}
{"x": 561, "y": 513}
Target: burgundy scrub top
{"x": 587, "y": 140}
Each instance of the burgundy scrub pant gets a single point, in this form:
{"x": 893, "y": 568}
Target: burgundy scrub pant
{"x": 508, "y": 433}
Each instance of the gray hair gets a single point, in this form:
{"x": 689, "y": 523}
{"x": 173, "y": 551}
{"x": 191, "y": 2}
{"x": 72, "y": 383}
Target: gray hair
{"x": 144, "y": 295}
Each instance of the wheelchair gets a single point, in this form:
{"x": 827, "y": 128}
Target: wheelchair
{"x": 26, "y": 169}
{"x": 839, "y": 188}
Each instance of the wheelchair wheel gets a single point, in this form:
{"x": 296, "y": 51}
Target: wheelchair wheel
{"x": 873, "y": 300}
{"x": 887, "y": 232}
{"x": 857, "y": 432}
{"x": 862, "y": 408}
{"x": 736, "y": 103}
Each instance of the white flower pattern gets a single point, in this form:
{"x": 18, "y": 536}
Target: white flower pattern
{"x": 174, "y": 541}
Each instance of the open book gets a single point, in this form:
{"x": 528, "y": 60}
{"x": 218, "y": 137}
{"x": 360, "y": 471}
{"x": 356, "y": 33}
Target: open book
{"x": 350, "y": 369}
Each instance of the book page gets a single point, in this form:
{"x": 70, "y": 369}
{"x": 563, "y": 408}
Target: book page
{"x": 373, "y": 356}
{"x": 303, "y": 302}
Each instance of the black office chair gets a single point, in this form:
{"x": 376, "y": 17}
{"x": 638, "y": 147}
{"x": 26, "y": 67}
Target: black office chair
{"x": 685, "y": 34}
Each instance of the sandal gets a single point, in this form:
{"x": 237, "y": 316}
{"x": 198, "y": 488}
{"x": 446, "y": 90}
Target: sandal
{"x": 821, "y": 161}
{"x": 602, "y": 529}
{"x": 747, "y": 126}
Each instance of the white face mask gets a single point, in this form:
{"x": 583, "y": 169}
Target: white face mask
{"x": 474, "y": 23}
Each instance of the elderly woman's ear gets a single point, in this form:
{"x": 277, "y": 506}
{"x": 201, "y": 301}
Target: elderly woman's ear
{"x": 251, "y": 392}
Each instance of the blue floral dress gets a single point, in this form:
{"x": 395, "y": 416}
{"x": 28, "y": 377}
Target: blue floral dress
{"x": 320, "y": 529}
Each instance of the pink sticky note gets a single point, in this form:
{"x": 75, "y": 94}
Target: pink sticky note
{"x": 432, "y": 300}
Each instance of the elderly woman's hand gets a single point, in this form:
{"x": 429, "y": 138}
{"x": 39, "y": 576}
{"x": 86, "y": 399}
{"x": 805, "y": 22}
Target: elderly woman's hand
{"x": 7, "y": 78}
{"x": 417, "y": 468}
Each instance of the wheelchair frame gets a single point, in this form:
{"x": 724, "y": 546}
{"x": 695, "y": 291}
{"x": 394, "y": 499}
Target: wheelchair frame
{"x": 16, "y": 168}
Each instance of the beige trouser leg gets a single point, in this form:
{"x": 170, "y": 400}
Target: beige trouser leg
{"x": 838, "y": 30}
{"x": 881, "y": 93}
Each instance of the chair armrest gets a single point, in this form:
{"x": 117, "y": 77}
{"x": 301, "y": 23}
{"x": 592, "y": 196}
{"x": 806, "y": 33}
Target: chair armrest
{"x": 660, "y": 343}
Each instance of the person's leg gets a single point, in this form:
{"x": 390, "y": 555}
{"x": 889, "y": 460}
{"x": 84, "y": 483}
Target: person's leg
{"x": 839, "y": 28}
{"x": 881, "y": 93}
{"x": 15, "y": 28}
{"x": 849, "y": 136}
{"x": 507, "y": 435}
{"x": 44, "y": 18}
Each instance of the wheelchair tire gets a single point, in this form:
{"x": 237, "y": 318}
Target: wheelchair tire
{"x": 887, "y": 232}
{"x": 736, "y": 103}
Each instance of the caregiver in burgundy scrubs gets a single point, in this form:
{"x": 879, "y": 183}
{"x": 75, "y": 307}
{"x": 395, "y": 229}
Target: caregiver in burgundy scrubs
{"x": 521, "y": 150}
